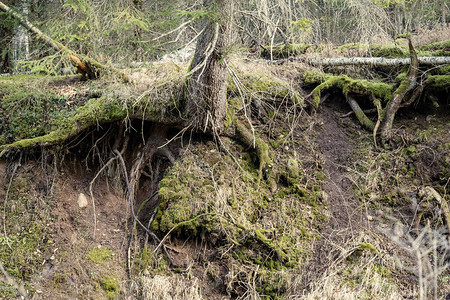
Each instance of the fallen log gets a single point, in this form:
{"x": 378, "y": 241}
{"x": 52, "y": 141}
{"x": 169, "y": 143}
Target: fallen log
{"x": 85, "y": 65}
{"x": 372, "y": 61}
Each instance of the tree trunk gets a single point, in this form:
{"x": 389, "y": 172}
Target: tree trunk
{"x": 21, "y": 39}
{"x": 207, "y": 88}
{"x": 404, "y": 91}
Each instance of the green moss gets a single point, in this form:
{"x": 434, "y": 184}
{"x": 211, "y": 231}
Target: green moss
{"x": 378, "y": 90}
{"x": 262, "y": 150}
{"x": 436, "y": 49}
{"x": 100, "y": 255}
{"x": 352, "y": 46}
{"x": 23, "y": 243}
{"x": 439, "y": 81}
{"x": 368, "y": 246}
{"x": 182, "y": 197}
{"x": 320, "y": 176}
{"x": 364, "y": 120}
{"x": 311, "y": 77}
{"x": 293, "y": 170}
{"x": 111, "y": 286}
{"x": 31, "y": 113}
{"x": 388, "y": 51}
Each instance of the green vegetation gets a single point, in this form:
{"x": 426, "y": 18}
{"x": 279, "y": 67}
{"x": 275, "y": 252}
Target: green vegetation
{"x": 25, "y": 239}
{"x": 375, "y": 90}
{"x": 100, "y": 255}
{"x": 111, "y": 286}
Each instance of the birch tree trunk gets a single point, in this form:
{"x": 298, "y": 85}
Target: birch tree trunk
{"x": 373, "y": 61}
{"x": 21, "y": 39}
{"x": 206, "y": 86}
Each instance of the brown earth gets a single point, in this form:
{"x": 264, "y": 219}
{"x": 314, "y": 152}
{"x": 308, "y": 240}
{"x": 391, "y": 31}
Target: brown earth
{"x": 69, "y": 272}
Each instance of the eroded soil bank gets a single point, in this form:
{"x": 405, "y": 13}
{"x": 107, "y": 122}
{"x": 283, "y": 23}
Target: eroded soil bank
{"x": 334, "y": 216}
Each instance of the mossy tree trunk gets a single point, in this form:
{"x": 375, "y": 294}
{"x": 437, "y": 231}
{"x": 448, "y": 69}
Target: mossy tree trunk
{"x": 206, "y": 85}
{"x": 403, "y": 92}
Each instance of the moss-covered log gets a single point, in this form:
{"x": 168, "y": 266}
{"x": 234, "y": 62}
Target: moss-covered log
{"x": 389, "y": 51}
{"x": 96, "y": 111}
{"x": 348, "y": 85}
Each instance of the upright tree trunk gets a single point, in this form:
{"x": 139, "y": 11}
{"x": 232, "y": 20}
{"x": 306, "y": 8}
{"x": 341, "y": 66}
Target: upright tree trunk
{"x": 207, "y": 84}
{"x": 21, "y": 39}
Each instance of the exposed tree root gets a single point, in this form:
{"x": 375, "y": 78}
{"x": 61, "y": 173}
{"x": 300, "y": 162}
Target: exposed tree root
{"x": 360, "y": 115}
{"x": 407, "y": 93}
{"x": 96, "y": 111}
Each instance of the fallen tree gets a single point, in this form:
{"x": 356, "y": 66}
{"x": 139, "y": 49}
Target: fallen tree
{"x": 86, "y": 66}
{"x": 386, "y": 98}
{"x": 371, "y": 61}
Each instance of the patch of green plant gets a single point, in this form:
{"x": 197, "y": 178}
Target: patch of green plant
{"x": 111, "y": 286}
{"x": 100, "y": 255}
{"x": 24, "y": 241}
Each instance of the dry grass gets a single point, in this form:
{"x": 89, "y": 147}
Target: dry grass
{"x": 363, "y": 270}
{"x": 424, "y": 36}
{"x": 174, "y": 287}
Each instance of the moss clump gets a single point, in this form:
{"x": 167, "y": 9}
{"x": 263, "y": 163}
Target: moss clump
{"x": 314, "y": 77}
{"x": 100, "y": 255}
{"x": 29, "y": 108}
{"x": 368, "y": 246}
{"x": 111, "y": 286}
{"x": 183, "y": 195}
{"x": 439, "y": 81}
{"x": 293, "y": 171}
{"x": 437, "y": 48}
{"x": 352, "y": 46}
{"x": 388, "y": 51}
